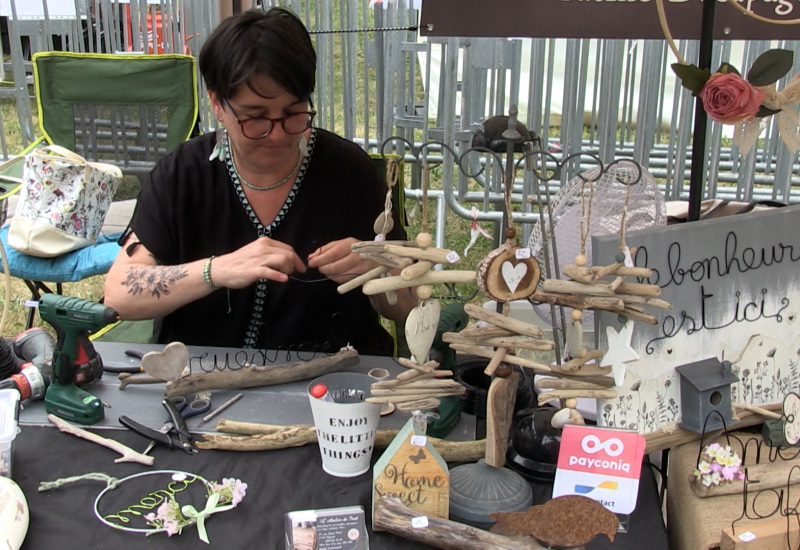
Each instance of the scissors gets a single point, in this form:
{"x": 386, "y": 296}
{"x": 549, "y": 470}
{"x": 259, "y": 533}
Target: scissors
{"x": 178, "y": 408}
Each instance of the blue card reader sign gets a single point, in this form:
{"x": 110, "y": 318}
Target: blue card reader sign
{"x": 602, "y": 464}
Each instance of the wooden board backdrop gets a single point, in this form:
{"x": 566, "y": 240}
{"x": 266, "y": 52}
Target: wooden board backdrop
{"x": 727, "y": 279}
{"x": 602, "y": 19}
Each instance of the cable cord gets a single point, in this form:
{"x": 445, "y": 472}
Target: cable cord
{"x": 7, "y": 288}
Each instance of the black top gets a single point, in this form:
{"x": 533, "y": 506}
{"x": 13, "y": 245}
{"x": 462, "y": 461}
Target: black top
{"x": 191, "y": 208}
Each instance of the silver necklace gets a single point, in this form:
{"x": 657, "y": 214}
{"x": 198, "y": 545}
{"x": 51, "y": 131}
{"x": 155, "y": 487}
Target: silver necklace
{"x": 265, "y": 187}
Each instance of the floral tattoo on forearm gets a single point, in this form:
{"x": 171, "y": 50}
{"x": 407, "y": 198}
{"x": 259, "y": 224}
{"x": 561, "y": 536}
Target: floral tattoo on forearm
{"x": 156, "y": 280}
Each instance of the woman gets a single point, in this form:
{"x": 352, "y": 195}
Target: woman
{"x": 240, "y": 239}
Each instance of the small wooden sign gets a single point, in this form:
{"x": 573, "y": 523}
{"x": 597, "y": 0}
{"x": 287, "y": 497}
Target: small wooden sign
{"x": 412, "y": 470}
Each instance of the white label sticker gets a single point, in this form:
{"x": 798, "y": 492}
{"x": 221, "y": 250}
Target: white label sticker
{"x": 452, "y": 257}
{"x": 628, "y": 259}
{"x": 522, "y": 253}
{"x": 419, "y": 522}
{"x": 747, "y": 536}
{"x": 419, "y": 440}
{"x": 380, "y": 237}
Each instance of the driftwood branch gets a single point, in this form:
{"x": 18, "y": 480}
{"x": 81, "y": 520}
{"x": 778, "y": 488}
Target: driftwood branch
{"x": 388, "y": 260}
{"x": 544, "y": 397}
{"x": 416, "y": 270}
{"x": 583, "y": 370}
{"x": 513, "y": 342}
{"x": 361, "y": 279}
{"x": 127, "y": 378}
{"x": 757, "y": 410}
{"x": 378, "y": 286}
{"x": 393, "y": 516}
{"x": 128, "y": 454}
{"x": 578, "y": 302}
{"x": 434, "y": 255}
{"x": 770, "y": 475}
{"x": 377, "y": 247}
{"x": 657, "y": 441}
{"x": 503, "y": 321}
{"x": 513, "y": 359}
{"x": 270, "y": 375}
{"x": 547, "y": 383}
{"x": 484, "y": 332}
{"x": 266, "y": 437}
{"x": 577, "y": 362}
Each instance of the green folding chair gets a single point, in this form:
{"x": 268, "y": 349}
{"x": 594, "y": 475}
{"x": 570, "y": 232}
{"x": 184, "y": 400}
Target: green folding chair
{"x": 123, "y": 109}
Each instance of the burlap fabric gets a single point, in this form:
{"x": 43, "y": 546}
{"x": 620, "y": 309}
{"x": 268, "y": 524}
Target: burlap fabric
{"x": 696, "y": 523}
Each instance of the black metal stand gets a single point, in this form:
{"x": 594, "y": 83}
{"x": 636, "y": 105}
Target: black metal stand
{"x": 698, "y": 167}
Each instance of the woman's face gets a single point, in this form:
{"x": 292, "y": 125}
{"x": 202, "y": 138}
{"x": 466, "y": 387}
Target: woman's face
{"x": 272, "y": 101}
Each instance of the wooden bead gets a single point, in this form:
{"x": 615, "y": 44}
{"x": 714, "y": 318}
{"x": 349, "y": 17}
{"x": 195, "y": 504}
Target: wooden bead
{"x": 571, "y": 403}
{"x": 577, "y": 315}
{"x": 424, "y": 240}
{"x": 424, "y": 292}
{"x": 503, "y": 370}
{"x": 511, "y": 233}
{"x": 580, "y": 260}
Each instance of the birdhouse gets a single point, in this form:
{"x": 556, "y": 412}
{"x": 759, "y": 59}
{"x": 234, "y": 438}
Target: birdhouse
{"x": 706, "y": 390}
{"x": 412, "y": 470}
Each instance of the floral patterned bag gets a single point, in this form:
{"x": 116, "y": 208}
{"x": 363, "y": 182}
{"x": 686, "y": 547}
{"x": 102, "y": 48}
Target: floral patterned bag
{"x": 63, "y": 202}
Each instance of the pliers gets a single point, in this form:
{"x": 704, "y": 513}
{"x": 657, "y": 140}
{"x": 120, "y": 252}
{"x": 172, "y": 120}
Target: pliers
{"x": 184, "y": 437}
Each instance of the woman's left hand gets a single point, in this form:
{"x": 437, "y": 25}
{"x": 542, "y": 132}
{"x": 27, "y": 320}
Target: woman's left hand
{"x": 337, "y": 262}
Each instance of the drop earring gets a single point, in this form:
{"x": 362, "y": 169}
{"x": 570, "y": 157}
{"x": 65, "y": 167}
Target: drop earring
{"x": 219, "y": 147}
{"x": 303, "y": 145}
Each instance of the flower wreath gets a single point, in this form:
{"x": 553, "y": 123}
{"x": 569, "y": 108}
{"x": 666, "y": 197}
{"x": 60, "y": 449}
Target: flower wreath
{"x": 745, "y": 103}
{"x": 171, "y": 517}
{"x": 718, "y": 465}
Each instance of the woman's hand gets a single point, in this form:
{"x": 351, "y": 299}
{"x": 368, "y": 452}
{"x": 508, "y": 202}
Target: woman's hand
{"x": 138, "y": 288}
{"x": 337, "y": 262}
{"x": 263, "y": 258}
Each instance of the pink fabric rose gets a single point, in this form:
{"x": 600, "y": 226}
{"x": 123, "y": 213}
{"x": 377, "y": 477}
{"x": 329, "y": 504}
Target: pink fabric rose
{"x": 728, "y": 98}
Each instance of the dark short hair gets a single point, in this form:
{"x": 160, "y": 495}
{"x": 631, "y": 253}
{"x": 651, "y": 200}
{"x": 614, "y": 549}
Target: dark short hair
{"x": 274, "y": 43}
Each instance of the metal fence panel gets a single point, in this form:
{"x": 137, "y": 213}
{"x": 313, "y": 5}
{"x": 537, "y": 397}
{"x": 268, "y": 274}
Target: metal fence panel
{"x": 376, "y": 80}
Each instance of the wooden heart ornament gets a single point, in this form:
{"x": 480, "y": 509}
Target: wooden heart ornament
{"x": 508, "y": 273}
{"x": 421, "y": 326}
{"x": 166, "y": 365}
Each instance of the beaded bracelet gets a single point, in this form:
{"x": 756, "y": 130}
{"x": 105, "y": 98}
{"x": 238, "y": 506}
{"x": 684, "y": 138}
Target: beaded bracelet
{"x": 207, "y": 273}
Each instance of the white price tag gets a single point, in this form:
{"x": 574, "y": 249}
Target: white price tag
{"x": 522, "y": 253}
{"x": 380, "y": 237}
{"x": 419, "y": 522}
{"x": 747, "y": 536}
{"x": 452, "y": 257}
{"x": 628, "y": 259}
{"x": 419, "y": 440}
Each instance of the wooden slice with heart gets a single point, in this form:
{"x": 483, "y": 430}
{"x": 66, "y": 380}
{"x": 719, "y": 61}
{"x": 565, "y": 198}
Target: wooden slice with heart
{"x": 508, "y": 273}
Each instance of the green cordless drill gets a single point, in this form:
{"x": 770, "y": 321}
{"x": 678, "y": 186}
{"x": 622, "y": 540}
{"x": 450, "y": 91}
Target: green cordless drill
{"x": 73, "y": 320}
